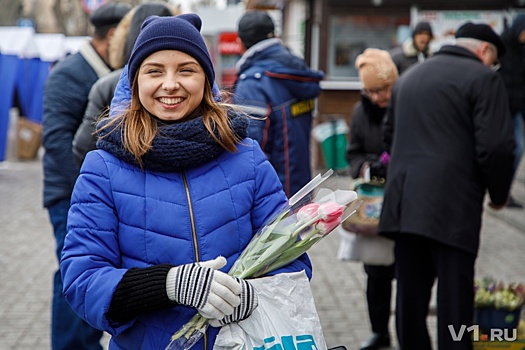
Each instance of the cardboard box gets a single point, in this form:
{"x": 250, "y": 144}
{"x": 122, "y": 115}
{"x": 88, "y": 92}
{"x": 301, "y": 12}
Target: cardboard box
{"x": 518, "y": 344}
{"x": 29, "y": 139}
{"x": 501, "y": 345}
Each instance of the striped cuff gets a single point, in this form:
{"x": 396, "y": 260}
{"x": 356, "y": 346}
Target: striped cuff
{"x": 189, "y": 285}
{"x": 249, "y": 302}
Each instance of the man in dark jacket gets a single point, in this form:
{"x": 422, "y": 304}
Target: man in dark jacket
{"x": 65, "y": 98}
{"x": 279, "y": 91}
{"x": 513, "y": 72}
{"x": 452, "y": 142}
{"x": 415, "y": 49}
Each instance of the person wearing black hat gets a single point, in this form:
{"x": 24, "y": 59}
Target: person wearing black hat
{"x": 279, "y": 90}
{"x": 513, "y": 72}
{"x": 415, "y": 49}
{"x": 158, "y": 252}
{"x": 65, "y": 97}
{"x": 450, "y": 136}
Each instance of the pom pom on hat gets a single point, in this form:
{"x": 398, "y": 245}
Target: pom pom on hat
{"x": 376, "y": 67}
{"x": 181, "y": 33}
{"x": 481, "y": 32}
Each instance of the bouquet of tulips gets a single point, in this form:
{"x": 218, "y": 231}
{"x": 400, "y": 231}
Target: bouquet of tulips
{"x": 312, "y": 213}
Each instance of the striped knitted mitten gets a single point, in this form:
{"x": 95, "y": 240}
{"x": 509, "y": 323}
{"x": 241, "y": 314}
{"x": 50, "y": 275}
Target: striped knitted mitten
{"x": 249, "y": 302}
{"x": 212, "y": 292}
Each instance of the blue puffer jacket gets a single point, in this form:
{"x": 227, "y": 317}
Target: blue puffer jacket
{"x": 118, "y": 221}
{"x": 274, "y": 83}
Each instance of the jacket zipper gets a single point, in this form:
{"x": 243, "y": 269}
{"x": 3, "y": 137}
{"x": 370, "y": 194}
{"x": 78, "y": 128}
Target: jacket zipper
{"x": 193, "y": 233}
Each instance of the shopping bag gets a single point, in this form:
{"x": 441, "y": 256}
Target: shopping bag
{"x": 286, "y": 318}
{"x": 371, "y": 250}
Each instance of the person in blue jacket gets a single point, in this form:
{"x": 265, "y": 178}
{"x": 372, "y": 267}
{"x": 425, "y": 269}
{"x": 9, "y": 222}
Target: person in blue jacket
{"x": 279, "y": 88}
{"x": 166, "y": 204}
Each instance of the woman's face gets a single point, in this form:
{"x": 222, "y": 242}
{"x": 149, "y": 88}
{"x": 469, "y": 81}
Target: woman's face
{"x": 171, "y": 84}
{"x": 379, "y": 95}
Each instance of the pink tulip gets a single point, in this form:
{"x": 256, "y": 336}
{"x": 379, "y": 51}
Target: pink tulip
{"x": 325, "y": 227}
{"x": 330, "y": 211}
{"x": 308, "y": 212}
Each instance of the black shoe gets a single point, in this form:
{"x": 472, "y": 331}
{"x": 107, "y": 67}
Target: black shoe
{"x": 514, "y": 204}
{"x": 376, "y": 341}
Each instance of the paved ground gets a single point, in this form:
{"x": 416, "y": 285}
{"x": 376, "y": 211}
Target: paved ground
{"x": 27, "y": 264}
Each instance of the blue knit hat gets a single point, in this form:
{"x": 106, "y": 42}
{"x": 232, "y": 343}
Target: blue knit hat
{"x": 181, "y": 33}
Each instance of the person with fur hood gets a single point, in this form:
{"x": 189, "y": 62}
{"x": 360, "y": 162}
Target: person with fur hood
{"x": 415, "y": 49}
{"x": 101, "y": 93}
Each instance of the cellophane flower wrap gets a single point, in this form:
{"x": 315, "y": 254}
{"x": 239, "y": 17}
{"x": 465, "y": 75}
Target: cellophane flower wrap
{"x": 311, "y": 214}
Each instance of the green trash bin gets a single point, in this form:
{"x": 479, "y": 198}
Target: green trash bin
{"x": 332, "y": 137}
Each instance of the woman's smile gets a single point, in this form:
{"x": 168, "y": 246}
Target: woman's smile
{"x": 170, "y": 101}
{"x": 171, "y": 84}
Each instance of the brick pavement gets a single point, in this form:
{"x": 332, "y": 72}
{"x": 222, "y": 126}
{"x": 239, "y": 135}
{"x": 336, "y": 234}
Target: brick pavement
{"x": 27, "y": 264}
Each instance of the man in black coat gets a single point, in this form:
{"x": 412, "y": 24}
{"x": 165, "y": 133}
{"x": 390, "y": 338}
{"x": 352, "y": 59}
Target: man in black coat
{"x": 452, "y": 142}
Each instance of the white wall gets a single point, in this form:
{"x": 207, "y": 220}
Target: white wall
{"x": 294, "y": 35}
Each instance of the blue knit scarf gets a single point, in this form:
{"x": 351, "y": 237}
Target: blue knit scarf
{"x": 176, "y": 147}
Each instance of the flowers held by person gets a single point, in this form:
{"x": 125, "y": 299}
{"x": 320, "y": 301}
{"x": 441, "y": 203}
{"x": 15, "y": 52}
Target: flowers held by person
{"x": 315, "y": 211}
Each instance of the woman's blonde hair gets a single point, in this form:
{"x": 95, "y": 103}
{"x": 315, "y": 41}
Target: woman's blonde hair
{"x": 139, "y": 127}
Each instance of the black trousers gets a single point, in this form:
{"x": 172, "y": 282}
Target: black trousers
{"x": 419, "y": 261}
{"x": 379, "y": 295}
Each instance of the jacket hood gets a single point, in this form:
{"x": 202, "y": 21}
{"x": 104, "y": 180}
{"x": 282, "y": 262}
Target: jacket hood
{"x": 303, "y": 84}
{"x": 518, "y": 25}
{"x": 271, "y": 58}
{"x": 410, "y": 50}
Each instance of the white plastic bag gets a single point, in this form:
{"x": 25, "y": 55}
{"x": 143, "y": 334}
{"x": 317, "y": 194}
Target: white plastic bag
{"x": 286, "y": 315}
{"x": 371, "y": 250}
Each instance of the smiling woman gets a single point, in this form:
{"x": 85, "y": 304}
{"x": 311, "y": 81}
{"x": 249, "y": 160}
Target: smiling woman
{"x": 144, "y": 251}
{"x": 171, "y": 85}
{"x": 171, "y": 77}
